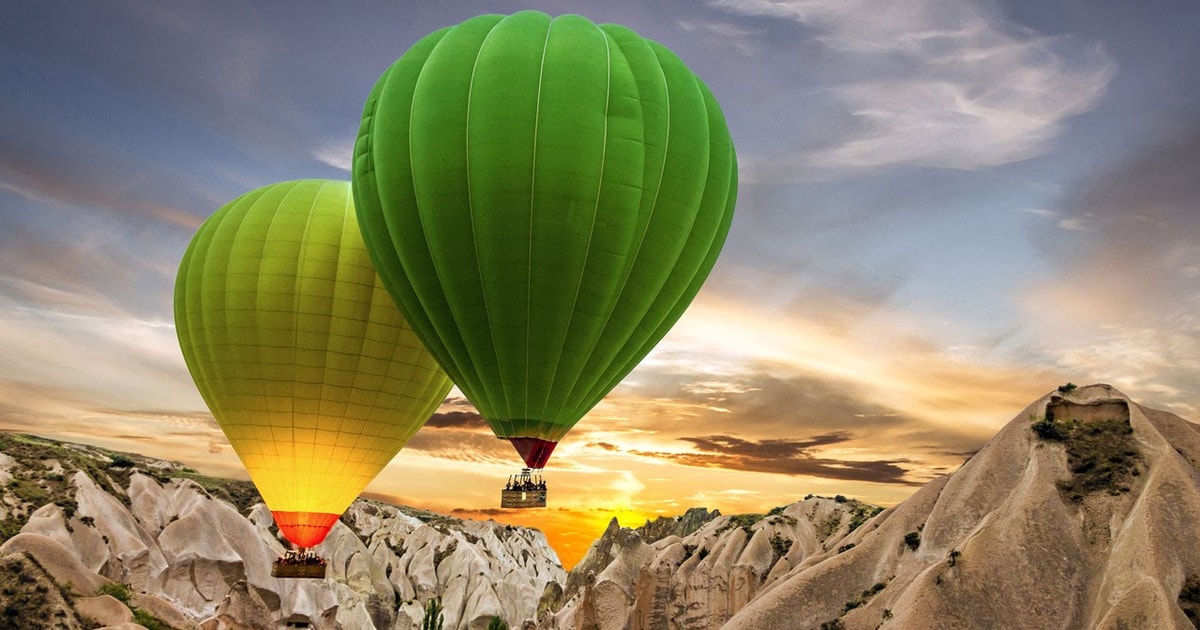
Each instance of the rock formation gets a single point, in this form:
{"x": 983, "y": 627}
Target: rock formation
{"x": 1083, "y": 512}
{"x": 654, "y": 577}
{"x": 123, "y": 536}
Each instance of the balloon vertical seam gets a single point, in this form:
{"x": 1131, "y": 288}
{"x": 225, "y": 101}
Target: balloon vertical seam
{"x": 633, "y": 254}
{"x": 592, "y": 229}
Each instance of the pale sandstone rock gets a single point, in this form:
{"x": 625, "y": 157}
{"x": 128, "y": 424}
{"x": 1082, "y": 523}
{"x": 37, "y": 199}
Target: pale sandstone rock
{"x": 164, "y": 610}
{"x": 130, "y": 554}
{"x": 104, "y": 610}
{"x": 196, "y": 562}
{"x": 6, "y": 464}
{"x": 999, "y": 547}
{"x": 242, "y": 608}
{"x": 698, "y": 581}
{"x": 57, "y": 560}
{"x": 1027, "y": 558}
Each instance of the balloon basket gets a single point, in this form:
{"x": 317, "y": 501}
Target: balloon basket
{"x": 299, "y": 564}
{"x": 525, "y": 490}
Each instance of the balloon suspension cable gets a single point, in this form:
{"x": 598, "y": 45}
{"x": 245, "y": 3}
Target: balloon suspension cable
{"x": 526, "y": 489}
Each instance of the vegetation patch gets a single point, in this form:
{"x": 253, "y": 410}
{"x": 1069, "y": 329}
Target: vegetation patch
{"x": 780, "y": 545}
{"x": 912, "y": 540}
{"x": 240, "y": 493}
{"x": 124, "y": 594}
{"x": 1102, "y": 455}
{"x": 29, "y": 596}
{"x": 1189, "y": 598}
{"x": 827, "y": 527}
{"x": 443, "y": 553}
{"x": 861, "y": 513}
{"x": 116, "y": 590}
{"x": 745, "y": 521}
{"x": 148, "y": 621}
{"x": 433, "y": 615}
{"x": 36, "y": 485}
{"x": 9, "y": 527}
{"x": 863, "y": 597}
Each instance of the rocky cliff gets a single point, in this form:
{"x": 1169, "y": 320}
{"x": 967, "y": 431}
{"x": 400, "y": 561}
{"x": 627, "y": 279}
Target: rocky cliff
{"x": 131, "y": 539}
{"x": 699, "y": 569}
{"x": 1083, "y": 512}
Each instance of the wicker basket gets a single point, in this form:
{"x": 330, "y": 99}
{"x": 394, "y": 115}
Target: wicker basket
{"x": 287, "y": 570}
{"x": 522, "y": 498}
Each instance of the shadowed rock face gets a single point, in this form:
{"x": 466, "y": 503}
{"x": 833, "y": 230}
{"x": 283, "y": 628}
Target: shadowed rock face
{"x": 996, "y": 544}
{"x": 194, "y": 561}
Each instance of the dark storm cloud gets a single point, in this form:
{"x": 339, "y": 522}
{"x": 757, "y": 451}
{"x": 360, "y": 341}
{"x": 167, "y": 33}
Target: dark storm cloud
{"x": 457, "y": 420}
{"x": 785, "y": 457}
{"x": 769, "y": 449}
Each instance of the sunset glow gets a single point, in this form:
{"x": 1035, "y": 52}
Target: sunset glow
{"x": 945, "y": 211}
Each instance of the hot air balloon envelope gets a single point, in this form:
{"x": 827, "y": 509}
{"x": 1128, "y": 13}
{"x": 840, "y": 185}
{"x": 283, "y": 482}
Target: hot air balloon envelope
{"x": 543, "y": 197}
{"x": 310, "y": 370}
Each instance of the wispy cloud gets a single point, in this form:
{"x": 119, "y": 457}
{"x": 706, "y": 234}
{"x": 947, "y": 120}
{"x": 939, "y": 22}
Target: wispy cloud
{"x": 338, "y": 154}
{"x": 1122, "y": 293}
{"x": 744, "y": 40}
{"x": 784, "y": 456}
{"x": 60, "y": 169}
{"x": 111, "y": 361}
{"x": 458, "y": 445}
{"x": 933, "y": 83}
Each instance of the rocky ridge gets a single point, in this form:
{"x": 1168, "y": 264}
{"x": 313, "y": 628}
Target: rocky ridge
{"x": 697, "y": 570}
{"x": 135, "y": 540}
{"x": 1082, "y": 512}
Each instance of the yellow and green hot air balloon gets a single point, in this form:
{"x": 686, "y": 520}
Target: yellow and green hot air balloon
{"x": 298, "y": 350}
{"x": 543, "y": 197}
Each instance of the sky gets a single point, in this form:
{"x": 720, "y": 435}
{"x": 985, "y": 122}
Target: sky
{"x": 947, "y": 208}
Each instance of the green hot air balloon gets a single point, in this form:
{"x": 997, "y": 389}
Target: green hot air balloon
{"x": 543, "y": 197}
{"x": 302, "y": 356}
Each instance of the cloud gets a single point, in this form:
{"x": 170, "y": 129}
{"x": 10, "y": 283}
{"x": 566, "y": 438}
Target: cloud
{"x": 64, "y": 413}
{"x": 743, "y": 40}
{"x": 339, "y": 154}
{"x": 87, "y": 228}
{"x": 885, "y": 370}
{"x": 456, "y": 444}
{"x": 1121, "y": 297}
{"x": 457, "y": 420}
{"x": 935, "y": 83}
{"x": 786, "y": 457}
{"x": 110, "y": 361}
{"x": 57, "y": 168}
